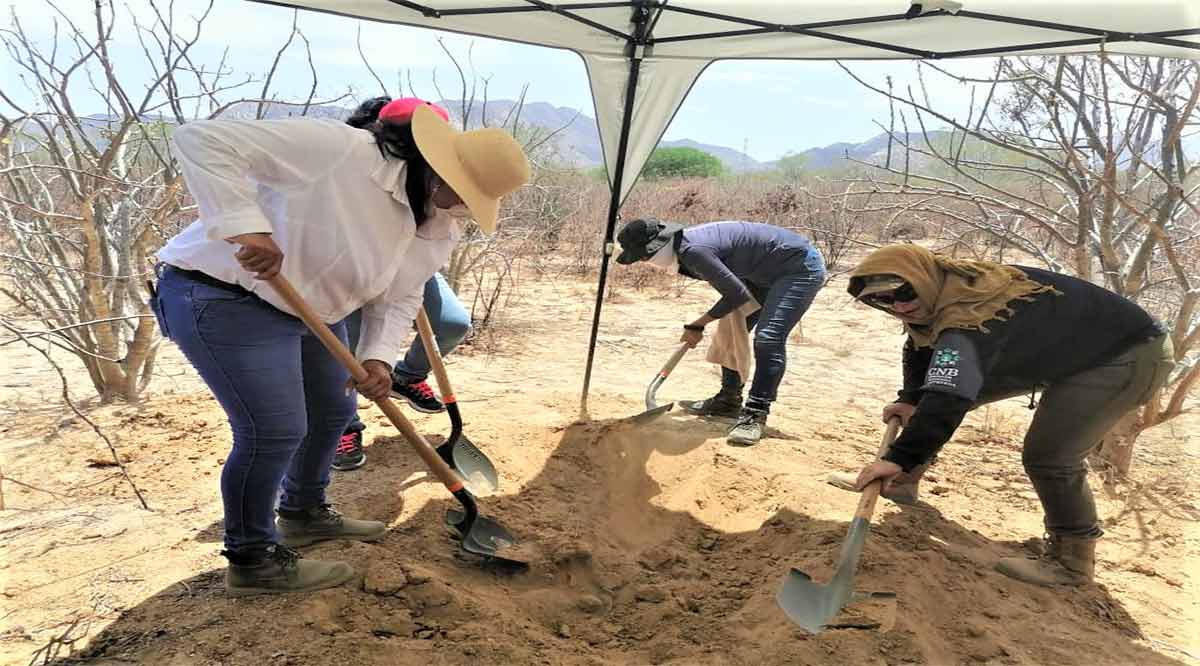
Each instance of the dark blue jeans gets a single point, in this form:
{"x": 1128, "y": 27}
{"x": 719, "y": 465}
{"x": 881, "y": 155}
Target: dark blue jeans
{"x": 283, "y": 392}
{"x": 784, "y": 303}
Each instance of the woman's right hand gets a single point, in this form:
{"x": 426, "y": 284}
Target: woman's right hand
{"x": 901, "y": 409}
{"x": 258, "y": 254}
{"x": 378, "y": 383}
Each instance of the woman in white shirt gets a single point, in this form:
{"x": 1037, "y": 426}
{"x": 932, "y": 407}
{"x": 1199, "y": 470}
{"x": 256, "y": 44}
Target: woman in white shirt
{"x": 354, "y": 219}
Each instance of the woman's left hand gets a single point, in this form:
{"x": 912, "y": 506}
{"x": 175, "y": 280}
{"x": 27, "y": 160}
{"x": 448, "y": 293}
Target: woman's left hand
{"x": 880, "y": 469}
{"x": 378, "y": 383}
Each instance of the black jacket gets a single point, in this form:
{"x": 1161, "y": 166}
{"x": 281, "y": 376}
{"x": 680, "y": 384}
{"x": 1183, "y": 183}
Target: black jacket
{"x": 1045, "y": 340}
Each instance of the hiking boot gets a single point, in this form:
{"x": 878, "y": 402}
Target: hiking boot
{"x": 902, "y": 491}
{"x": 727, "y": 402}
{"x": 721, "y": 404}
{"x": 349, "y": 452}
{"x": 321, "y": 523}
{"x": 749, "y": 427}
{"x": 1066, "y": 560}
{"x": 279, "y": 569}
{"x": 418, "y": 395}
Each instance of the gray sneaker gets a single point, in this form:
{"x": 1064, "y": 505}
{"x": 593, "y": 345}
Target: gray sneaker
{"x": 322, "y": 523}
{"x": 280, "y": 569}
{"x": 749, "y": 427}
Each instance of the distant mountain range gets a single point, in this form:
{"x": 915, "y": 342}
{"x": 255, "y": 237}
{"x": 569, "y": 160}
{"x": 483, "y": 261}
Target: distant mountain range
{"x": 576, "y": 138}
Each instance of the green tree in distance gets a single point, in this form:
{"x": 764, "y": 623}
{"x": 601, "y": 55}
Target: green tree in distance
{"x": 682, "y": 163}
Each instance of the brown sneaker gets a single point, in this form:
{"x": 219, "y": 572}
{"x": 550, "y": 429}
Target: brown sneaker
{"x": 278, "y": 570}
{"x": 322, "y": 523}
{"x": 1066, "y": 560}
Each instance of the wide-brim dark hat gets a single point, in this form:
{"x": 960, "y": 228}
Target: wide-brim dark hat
{"x": 643, "y": 237}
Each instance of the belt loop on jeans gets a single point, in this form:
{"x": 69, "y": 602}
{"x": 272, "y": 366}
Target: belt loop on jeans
{"x": 157, "y": 270}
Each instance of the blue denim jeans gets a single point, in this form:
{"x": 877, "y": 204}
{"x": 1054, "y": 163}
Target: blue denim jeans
{"x": 282, "y": 391}
{"x": 783, "y": 304}
{"x": 449, "y": 320}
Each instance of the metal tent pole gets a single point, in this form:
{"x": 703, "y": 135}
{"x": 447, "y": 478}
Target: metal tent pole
{"x": 641, "y": 19}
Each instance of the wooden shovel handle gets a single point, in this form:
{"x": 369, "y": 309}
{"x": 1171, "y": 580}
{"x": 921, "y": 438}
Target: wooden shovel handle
{"x": 674, "y": 360}
{"x": 866, "y": 503}
{"x": 434, "y": 353}
{"x": 439, "y": 468}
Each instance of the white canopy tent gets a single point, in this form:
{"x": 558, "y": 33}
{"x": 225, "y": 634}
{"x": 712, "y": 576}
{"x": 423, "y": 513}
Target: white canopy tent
{"x": 642, "y": 56}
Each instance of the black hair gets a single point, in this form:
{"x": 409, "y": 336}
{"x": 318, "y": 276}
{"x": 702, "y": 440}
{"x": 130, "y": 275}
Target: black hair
{"x": 367, "y": 112}
{"x": 395, "y": 141}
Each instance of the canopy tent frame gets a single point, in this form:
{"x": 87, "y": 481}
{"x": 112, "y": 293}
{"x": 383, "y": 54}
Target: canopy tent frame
{"x": 638, "y": 45}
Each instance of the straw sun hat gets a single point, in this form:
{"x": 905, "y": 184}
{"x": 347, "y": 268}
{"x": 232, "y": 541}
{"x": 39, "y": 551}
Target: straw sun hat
{"x": 481, "y": 165}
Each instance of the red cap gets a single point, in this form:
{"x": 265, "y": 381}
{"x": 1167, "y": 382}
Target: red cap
{"x": 401, "y": 109}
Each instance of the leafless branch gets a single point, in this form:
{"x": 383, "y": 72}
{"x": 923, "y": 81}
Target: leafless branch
{"x": 66, "y": 396}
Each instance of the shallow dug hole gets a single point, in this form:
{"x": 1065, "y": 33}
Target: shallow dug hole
{"x": 649, "y": 544}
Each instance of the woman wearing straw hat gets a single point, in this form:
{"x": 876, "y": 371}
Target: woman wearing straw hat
{"x": 354, "y": 219}
{"x": 979, "y": 332}
{"x": 448, "y": 318}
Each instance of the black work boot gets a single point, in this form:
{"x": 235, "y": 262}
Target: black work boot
{"x": 727, "y": 402}
{"x": 277, "y": 569}
{"x": 750, "y": 425}
{"x": 321, "y": 523}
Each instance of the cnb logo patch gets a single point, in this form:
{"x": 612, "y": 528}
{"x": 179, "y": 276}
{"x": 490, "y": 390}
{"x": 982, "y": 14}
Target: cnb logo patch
{"x": 944, "y": 357}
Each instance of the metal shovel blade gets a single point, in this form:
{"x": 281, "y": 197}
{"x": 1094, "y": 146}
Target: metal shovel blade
{"x": 812, "y": 606}
{"x": 484, "y": 537}
{"x": 651, "y": 414}
{"x": 476, "y": 469}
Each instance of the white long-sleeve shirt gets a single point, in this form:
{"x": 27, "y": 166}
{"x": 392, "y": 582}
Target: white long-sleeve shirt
{"x": 334, "y": 206}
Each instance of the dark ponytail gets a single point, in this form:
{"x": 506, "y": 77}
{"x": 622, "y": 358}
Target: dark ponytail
{"x": 367, "y": 112}
{"x": 395, "y": 141}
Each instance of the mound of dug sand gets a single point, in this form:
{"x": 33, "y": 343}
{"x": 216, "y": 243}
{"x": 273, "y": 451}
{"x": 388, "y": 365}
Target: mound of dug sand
{"x": 651, "y": 544}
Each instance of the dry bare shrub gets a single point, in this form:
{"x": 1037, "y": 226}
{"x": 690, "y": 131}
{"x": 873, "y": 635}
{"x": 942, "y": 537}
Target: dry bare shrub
{"x": 85, "y": 200}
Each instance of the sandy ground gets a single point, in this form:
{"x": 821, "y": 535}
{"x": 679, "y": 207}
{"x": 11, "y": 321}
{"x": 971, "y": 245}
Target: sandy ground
{"x": 649, "y": 544}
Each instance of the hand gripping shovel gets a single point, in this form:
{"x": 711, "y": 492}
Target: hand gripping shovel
{"x": 480, "y": 535}
{"x": 813, "y": 606}
{"x": 477, "y": 470}
{"x": 653, "y": 409}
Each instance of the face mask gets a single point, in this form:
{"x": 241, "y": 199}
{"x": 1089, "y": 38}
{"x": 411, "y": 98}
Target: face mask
{"x": 664, "y": 259}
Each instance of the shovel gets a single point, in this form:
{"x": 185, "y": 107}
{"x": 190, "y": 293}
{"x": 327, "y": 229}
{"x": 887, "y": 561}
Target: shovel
{"x": 653, "y": 409}
{"x": 480, "y": 535}
{"x": 477, "y": 470}
{"x": 813, "y": 606}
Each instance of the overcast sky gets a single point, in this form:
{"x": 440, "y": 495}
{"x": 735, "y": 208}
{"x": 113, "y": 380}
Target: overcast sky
{"x": 767, "y": 107}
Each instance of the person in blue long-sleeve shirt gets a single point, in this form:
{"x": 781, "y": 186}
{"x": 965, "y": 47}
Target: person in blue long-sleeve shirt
{"x": 778, "y": 268}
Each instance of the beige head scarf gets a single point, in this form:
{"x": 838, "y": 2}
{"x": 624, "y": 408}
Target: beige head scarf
{"x": 960, "y": 293}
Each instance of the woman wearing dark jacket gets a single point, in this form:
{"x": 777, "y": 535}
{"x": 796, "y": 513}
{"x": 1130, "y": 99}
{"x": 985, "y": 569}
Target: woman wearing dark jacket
{"x": 778, "y": 268}
{"x": 979, "y": 332}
